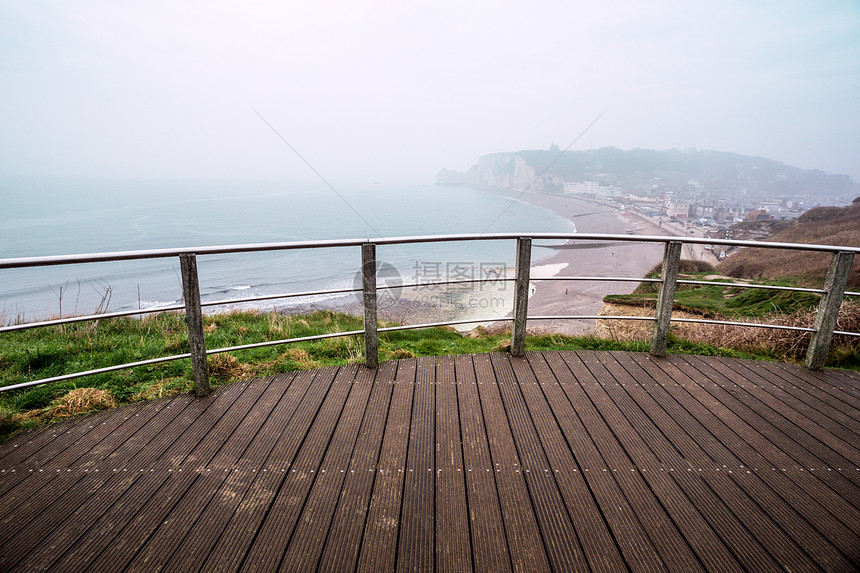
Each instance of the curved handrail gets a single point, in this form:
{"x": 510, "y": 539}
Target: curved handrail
{"x": 832, "y": 293}
{"x": 23, "y": 262}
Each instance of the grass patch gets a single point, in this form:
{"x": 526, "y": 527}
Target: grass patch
{"x": 715, "y": 300}
{"x": 44, "y": 352}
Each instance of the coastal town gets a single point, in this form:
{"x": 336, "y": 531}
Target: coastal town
{"x": 697, "y": 214}
{"x": 684, "y": 192}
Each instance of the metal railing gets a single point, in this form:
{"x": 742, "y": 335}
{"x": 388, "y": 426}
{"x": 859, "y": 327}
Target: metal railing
{"x": 832, "y": 294}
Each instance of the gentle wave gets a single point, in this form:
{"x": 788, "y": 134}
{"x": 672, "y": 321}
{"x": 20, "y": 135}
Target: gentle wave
{"x": 75, "y": 216}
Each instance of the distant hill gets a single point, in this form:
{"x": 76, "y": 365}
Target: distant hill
{"x": 821, "y": 225}
{"x": 715, "y": 172}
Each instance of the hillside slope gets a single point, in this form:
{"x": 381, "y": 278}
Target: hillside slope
{"x": 822, "y": 225}
{"x": 713, "y": 171}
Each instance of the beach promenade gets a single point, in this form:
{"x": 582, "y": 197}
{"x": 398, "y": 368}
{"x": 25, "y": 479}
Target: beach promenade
{"x": 558, "y": 461}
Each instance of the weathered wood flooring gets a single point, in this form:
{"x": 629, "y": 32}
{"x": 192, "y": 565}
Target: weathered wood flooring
{"x": 563, "y": 461}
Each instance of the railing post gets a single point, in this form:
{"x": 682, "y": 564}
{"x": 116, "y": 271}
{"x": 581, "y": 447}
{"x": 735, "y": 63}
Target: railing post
{"x": 368, "y": 279}
{"x": 666, "y": 297}
{"x": 194, "y": 322}
{"x": 521, "y": 296}
{"x": 828, "y": 309}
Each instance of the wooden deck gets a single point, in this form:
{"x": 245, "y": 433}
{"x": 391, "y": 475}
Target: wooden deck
{"x": 562, "y": 461}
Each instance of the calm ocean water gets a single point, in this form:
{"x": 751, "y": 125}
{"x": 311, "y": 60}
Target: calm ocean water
{"x": 52, "y": 217}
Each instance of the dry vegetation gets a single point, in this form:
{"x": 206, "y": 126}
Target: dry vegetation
{"x": 822, "y": 225}
{"x": 768, "y": 341}
{"x": 76, "y": 402}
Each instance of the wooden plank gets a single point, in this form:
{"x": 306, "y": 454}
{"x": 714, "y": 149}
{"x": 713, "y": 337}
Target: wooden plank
{"x": 572, "y": 408}
{"x": 525, "y": 545}
{"x": 344, "y": 535}
{"x": 849, "y": 380}
{"x": 417, "y": 539}
{"x": 803, "y": 387}
{"x": 708, "y": 430}
{"x": 841, "y": 384}
{"x": 36, "y": 450}
{"x": 803, "y": 426}
{"x": 116, "y": 502}
{"x": 558, "y": 439}
{"x": 597, "y": 543}
{"x": 27, "y": 441}
{"x": 310, "y": 532}
{"x": 559, "y": 541}
{"x": 229, "y": 550}
{"x": 453, "y": 544}
{"x": 198, "y": 543}
{"x": 183, "y": 518}
{"x": 51, "y": 496}
{"x": 489, "y": 544}
{"x": 379, "y": 543}
{"x": 814, "y": 456}
{"x": 109, "y": 484}
{"x": 817, "y": 406}
{"x": 778, "y": 446}
{"x": 43, "y": 451}
{"x": 274, "y": 532}
{"x": 80, "y": 508}
{"x": 737, "y": 519}
{"x": 647, "y": 447}
{"x": 182, "y": 471}
{"x": 670, "y": 543}
{"x": 828, "y": 428}
{"x": 29, "y": 475}
{"x": 31, "y": 491}
{"x": 835, "y": 409}
{"x": 731, "y": 449}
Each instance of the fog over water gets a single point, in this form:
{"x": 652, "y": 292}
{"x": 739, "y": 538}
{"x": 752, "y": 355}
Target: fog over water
{"x": 92, "y": 216}
{"x": 393, "y": 91}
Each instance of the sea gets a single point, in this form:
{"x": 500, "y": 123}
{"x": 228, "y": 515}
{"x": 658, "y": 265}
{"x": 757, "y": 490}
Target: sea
{"x": 43, "y": 217}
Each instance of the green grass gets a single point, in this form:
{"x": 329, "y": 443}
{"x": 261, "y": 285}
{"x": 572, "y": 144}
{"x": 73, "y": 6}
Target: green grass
{"x": 747, "y": 304}
{"x": 730, "y": 302}
{"x": 53, "y": 351}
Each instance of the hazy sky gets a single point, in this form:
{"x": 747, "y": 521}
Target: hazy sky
{"x": 394, "y": 90}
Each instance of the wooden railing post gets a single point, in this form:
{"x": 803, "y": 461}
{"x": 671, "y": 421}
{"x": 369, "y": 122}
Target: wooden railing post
{"x": 666, "y": 297}
{"x": 828, "y": 309}
{"x": 521, "y": 296}
{"x": 194, "y": 322}
{"x": 368, "y": 279}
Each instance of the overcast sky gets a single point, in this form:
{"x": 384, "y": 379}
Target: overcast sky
{"x": 394, "y": 90}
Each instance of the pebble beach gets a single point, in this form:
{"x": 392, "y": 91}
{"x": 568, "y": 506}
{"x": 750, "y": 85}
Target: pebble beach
{"x": 489, "y": 303}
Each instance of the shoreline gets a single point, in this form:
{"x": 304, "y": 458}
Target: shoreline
{"x": 491, "y": 304}
{"x": 591, "y": 259}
